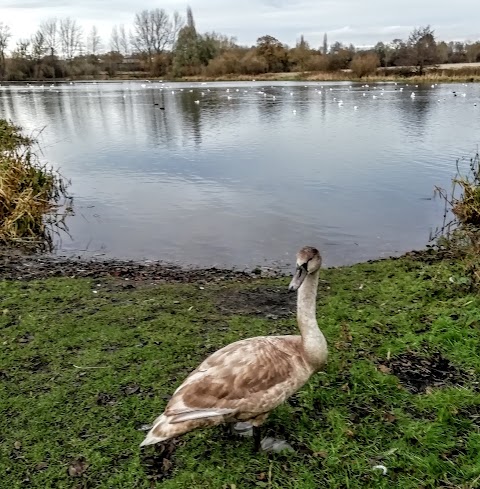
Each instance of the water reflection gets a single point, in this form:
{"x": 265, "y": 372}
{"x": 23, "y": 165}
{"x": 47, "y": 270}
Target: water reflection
{"x": 252, "y": 170}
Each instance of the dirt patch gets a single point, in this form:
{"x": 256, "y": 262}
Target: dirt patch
{"x": 431, "y": 254}
{"x": 18, "y": 266}
{"x": 268, "y": 302}
{"x": 159, "y": 465}
{"x": 419, "y": 373}
{"x": 104, "y": 399}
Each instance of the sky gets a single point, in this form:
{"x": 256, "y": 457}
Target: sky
{"x": 362, "y": 23}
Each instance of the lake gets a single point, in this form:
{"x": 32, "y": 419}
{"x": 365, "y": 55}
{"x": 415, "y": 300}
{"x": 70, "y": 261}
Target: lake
{"x": 243, "y": 174}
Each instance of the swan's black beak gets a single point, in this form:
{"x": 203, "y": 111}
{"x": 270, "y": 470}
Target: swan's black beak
{"x": 297, "y": 279}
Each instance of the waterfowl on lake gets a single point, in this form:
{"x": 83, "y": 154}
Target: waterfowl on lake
{"x": 246, "y": 380}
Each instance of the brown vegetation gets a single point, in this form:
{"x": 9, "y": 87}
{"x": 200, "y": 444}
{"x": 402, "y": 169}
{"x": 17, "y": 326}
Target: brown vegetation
{"x": 364, "y": 64}
{"x": 460, "y": 233}
{"x": 33, "y": 198}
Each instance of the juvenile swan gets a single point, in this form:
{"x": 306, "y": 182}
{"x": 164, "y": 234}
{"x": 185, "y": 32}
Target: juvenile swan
{"x": 245, "y": 380}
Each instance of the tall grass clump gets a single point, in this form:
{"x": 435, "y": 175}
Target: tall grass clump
{"x": 34, "y": 201}
{"x": 459, "y": 236}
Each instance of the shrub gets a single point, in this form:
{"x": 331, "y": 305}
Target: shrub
{"x": 225, "y": 64}
{"x": 251, "y": 64}
{"x": 317, "y": 62}
{"x": 33, "y": 198}
{"x": 459, "y": 235}
{"x": 365, "y": 64}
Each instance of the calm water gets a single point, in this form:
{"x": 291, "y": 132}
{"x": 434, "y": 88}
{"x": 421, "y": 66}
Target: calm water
{"x": 244, "y": 177}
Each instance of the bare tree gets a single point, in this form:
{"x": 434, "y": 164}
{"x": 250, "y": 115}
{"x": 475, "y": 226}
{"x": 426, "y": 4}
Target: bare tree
{"x": 5, "y": 36}
{"x": 94, "y": 41}
{"x": 422, "y": 48}
{"x": 124, "y": 40}
{"x": 50, "y": 32}
{"x": 154, "y": 32}
{"x": 115, "y": 40}
{"x": 22, "y": 49}
{"x": 178, "y": 23}
{"x": 70, "y": 37}
{"x": 39, "y": 46}
{"x": 120, "y": 40}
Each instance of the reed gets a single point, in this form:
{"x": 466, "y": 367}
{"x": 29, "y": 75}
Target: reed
{"x": 459, "y": 235}
{"x": 34, "y": 200}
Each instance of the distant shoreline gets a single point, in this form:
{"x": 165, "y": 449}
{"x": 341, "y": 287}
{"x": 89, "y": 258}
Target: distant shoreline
{"x": 457, "y": 75}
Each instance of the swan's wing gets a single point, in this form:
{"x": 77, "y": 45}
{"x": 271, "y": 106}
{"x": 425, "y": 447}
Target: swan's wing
{"x": 251, "y": 375}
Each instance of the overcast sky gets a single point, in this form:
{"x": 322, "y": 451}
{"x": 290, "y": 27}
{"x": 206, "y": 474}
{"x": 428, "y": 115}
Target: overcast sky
{"x": 360, "y": 22}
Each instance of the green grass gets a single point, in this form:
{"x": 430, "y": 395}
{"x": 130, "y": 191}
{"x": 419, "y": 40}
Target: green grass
{"x": 345, "y": 420}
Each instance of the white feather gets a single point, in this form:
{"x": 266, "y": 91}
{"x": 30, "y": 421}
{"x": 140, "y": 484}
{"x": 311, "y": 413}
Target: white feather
{"x": 200, "y": 414}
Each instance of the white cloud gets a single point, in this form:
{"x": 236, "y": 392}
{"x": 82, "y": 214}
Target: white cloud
{"x": 344, "y": 20}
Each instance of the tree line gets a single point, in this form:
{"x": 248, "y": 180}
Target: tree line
{"x": 160, "y": 44}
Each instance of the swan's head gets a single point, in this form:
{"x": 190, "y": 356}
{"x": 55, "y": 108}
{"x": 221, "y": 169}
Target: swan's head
{"x": 308, "y": 262}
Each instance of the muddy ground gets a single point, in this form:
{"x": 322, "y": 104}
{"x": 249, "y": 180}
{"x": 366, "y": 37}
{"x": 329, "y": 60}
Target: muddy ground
{"x": 15, "y": 265}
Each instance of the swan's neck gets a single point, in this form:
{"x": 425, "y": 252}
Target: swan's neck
{"x": 314, "y": 343}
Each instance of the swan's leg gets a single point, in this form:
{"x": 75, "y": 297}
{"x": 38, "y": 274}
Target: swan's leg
{"x": 257, "y": 438}
{"x": 228, "y": 429}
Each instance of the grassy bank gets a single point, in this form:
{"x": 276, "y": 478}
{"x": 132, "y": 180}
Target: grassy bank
{"x": 459, "y": 75}
{"x": 441, "y": 76}
{"x": 401, "y": 388}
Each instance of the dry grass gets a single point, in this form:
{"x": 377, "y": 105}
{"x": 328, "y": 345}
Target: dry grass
{"x": 33, "y": 198}
{"x": 463, "y": 201}
{"x": 462, "y": 75}
{"x": 460, "y": 233}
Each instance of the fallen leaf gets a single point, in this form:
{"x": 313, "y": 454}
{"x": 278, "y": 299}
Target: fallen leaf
{"x": 389, "y": 417}
{"x": 78, "y": 467}
{"x": 350, "y": 433}
{"x": 17, "y": 445}
{"x": 41, "y": 466}
{"x": 166, "y": 464}
{"x": 26, "y": 338}
{"x": 131, "y": 389}
{"x": 261, "y": 476}
{"x": 104, "y": 399}
{"x": 384, "y": 369}
{"x": 321, "y": 454}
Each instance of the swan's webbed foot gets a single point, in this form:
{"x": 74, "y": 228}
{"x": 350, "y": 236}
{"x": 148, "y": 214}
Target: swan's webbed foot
{"x": 267, "y": 444}
{"x": 270, "y": 444}
{"x": 228, "y": 430}
{"x": 257, "y": 438}
{"x": 243, "y": 429}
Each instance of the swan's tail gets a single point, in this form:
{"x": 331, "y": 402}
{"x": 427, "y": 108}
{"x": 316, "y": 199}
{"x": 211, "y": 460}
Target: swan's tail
{"x": 158, "y": 432}
{"x": 166, "y": 427}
